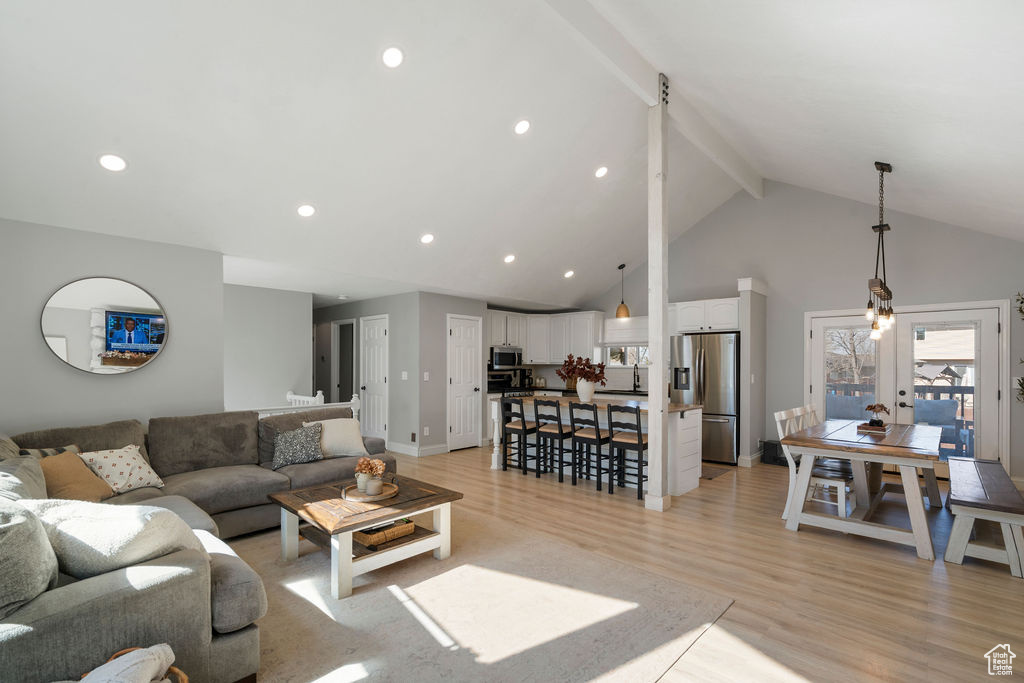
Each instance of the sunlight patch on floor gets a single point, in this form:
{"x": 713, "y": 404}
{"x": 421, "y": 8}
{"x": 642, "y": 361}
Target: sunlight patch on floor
{"x": 497, "y": 615}
{"x": 308, "y": 591}
{"x": 350, "y": 673}
{"x": 443, "y": 639}
{"x": 720, "y": 655}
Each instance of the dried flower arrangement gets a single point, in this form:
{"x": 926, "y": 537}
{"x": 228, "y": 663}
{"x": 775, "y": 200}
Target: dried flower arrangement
{"x": 375, "y": 467}
{"x": 876, "y": 409}
{"x": 576, "y": 368}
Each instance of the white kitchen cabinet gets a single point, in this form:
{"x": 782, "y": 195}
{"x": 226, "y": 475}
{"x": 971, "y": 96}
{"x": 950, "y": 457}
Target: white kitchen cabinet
{"x": 538, "y": 339}
{"x": 560, "y": 340}
{"x": 722, "y": 314}
{"x": 497, "y": 321}
{"x": 521, "y": 323}
{"x": 702, "y": 316}
{"x": 584, "y": 333}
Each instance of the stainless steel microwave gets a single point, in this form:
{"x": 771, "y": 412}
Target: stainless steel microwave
{"x": 506, "y": 357}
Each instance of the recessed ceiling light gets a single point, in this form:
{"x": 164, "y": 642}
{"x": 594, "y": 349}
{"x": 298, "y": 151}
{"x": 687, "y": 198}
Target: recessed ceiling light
{"x": 112, "y": 162}
{"x": 510, "y": 258}
{"x": 427, "y": 239}
{"x": 306, "y": 210}
{"x": 522, "y": 127}
{"x": 601, "y": 172}
{"x": 392, "y": 57}
{"x": 569, "y": 273}
{"x": 342, "y": 297}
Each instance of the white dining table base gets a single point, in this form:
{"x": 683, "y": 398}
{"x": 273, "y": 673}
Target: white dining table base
{"x": 919, "y": 536}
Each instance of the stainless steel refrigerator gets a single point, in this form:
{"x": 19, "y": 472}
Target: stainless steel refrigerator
{"x": 705, "y": 370}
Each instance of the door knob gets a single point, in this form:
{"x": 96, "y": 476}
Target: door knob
{"x": 903, "y": 404}
{"x": 363, "y": 387}
{"x": 476, "y": 388}
{"x": 903, "y": 392}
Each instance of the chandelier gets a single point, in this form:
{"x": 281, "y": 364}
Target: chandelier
{"x": 879, "y": 310}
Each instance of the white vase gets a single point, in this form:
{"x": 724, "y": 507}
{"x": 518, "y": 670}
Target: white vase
{"x": 361, "y": 479}
{"x": 585, "y": 390}
{"x": 374, "y": 486}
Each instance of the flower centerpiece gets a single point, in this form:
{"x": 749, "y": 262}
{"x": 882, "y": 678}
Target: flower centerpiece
{"x": 580, "y": 373}
{"x": 876, "y": 423}
{"x": 367, "y": 470}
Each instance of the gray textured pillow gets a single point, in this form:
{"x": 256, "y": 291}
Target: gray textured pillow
{"x": 298, "y": 446}
{"x": 92, "y": 538}
{"x": 28, "y": 565}
{"x": 40, "y": 453}
{"x": 21, "y": 477}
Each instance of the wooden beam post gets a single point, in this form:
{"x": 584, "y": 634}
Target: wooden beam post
{"x": 657, "y": 302}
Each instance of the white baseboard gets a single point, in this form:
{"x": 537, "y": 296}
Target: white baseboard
{"x": 749, "y": 460}
{"x": 415, "y": 450}
{"x": 659, "y": 503}
{"x": 1018, "y": 482}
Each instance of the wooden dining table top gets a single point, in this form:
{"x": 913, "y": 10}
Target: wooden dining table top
{"x": 908, "y": 441}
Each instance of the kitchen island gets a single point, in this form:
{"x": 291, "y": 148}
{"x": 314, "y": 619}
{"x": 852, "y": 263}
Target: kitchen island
{"x": 684, "y": 434}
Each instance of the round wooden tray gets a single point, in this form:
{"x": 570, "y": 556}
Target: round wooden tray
{"x": 353, "y": 493}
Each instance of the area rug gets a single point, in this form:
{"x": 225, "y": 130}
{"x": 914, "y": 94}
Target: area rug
{"x": 509, "y": 604}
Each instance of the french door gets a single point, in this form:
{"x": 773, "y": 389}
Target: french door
{"x": 938, "y": 367}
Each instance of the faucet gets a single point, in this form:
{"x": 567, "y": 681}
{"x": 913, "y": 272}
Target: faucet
{"x": 636, "y": 377}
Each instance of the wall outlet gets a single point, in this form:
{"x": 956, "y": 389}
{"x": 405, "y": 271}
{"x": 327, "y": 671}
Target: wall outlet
{"x": 405, "y": 375}
{"x": 426, "y": 431}
{"x": 426, "y": 376}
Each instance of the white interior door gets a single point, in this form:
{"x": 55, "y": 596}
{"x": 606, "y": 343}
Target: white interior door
{"x": 848, "y": 369}
{"x": 464, "y": 381}
{"x": 373, "y": 373}
{"x": 947, "y": 375}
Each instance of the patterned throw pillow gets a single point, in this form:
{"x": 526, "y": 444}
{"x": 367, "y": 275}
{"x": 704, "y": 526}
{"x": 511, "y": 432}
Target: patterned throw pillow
{"x": 124, "y": 469}
{"x": 297, "y": 446}
{"x": 40, "y": 453}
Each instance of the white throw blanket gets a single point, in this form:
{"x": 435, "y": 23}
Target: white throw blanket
{"x": 94, "y": 538}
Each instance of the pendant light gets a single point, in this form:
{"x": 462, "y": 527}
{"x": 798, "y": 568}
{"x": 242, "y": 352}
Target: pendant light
{"x": 879, "y": 308}
{"x": 623, "y": 310}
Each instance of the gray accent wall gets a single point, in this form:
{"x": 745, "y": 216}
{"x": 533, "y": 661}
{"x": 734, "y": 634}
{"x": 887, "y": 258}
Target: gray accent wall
{"x": 815, "y": 252}
{"x": 268, "y": 338}
{"x": 434, "y": 310}
{"x": 403, "y": 355}
{"x": 39, "y": 390}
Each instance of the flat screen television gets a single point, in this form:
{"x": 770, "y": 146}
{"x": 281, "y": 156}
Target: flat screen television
{"x": 135, "y": 332}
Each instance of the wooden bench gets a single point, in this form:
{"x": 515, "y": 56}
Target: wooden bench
{"x": 981, "y": 489}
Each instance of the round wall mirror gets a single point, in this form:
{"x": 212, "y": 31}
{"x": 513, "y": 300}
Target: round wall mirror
{"x": 104, "y": 325}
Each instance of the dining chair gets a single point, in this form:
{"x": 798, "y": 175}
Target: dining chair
{"x": 587, "y": 435}
{"x": 627, "y": 436}
{"x": 837, "y": 474}
{"x": 514, "y": 425}
{"x": 551, "y": 435}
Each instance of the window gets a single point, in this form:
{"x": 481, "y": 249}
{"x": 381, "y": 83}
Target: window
{"x": 626, "y": 356}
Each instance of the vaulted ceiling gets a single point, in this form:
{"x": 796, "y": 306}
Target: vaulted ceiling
{"x": 232, "y": 114}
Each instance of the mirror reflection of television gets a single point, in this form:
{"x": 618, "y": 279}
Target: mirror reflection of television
{"x": 135, "y": 332}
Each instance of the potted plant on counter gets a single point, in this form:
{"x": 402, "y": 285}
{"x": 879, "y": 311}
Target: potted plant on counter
{"x": 584, "y": 374}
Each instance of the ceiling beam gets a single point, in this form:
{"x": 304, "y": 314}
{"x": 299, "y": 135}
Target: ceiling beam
{"x": 627, "y": 64}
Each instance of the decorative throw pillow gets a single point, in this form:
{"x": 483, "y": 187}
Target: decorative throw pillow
{"x": 297, "y": 446}
{"x": 40, "y": 453}
{"x": 27, "y": 564}
{"x": 21, "y": 478}
{"x": 93, "y": 538}
{"x": 144, "y": 664}
{"x": 123, "y": 469}
{"x": 341, "y": 436}
{"x": 8, "y": 449}
{"x": 67, "y": 477}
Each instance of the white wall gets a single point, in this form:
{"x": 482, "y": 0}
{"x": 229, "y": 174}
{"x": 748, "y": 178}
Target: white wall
{"x": 40, "y": 390}
{"x": 268, "y": 346}
{"x": 815, "y": 252}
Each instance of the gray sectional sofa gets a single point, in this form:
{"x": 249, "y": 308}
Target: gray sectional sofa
{"x": 217, "y": 474}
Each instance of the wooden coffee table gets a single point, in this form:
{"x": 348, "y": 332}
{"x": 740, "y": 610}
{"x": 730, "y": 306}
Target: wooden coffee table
{"x": 329, "y": 520}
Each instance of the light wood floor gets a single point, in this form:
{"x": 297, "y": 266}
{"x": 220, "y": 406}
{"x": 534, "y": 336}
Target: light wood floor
{"x": 814, "y": 604}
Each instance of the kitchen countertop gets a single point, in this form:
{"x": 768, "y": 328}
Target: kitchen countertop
{"x": 602, "y": 402}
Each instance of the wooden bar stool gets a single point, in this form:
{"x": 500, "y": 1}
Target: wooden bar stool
{"x": 586, "y": 435}
{"x": 515, "y": 425}
{"x": 627, "y": 436}
{"x": 551, "y": 435}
